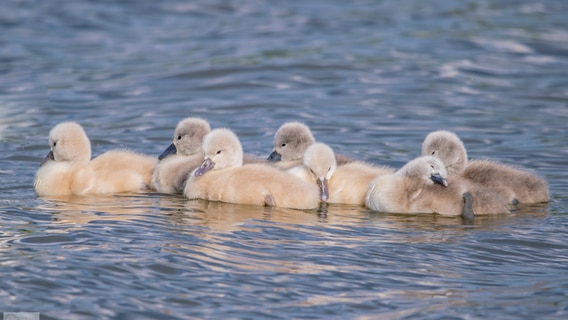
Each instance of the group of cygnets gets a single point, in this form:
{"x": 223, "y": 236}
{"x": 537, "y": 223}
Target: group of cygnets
{"x": 300, "y": 173}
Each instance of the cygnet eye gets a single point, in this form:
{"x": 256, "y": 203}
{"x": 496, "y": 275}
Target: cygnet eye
{"x": 432, "y": 166}
{"x": 283, "y": 145}
{"x": 218, "y": 152}
{"x": 179, "y": 137}
{"x": 328, "y": 170}
{"x": 54, "y": 143}
{"x": 433, "y": 152}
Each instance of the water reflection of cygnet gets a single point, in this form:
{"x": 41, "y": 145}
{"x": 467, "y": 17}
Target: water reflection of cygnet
{"x": 434, "y": 228}
{"x": 227, "y": 217}
{"x": 240, "y": 238}
{"x": 84, "y": 209}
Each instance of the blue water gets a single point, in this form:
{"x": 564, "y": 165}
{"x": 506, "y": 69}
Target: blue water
{"x": 371, "y": 78}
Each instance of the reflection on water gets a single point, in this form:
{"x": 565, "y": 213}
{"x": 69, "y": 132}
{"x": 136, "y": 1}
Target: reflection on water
{"x": 84, "y": 209}
{"x": 371, "y": 79}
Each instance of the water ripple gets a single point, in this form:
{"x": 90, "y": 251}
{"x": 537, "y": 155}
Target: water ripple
{"x": 370, "y": 79}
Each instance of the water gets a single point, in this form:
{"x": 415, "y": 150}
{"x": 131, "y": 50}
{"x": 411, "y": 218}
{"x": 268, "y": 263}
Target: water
{"x": 370, "y": 78}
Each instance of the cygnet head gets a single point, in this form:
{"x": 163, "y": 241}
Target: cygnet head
{"x": 68, "y": 142}
{"x": 188, "y": 137}
{"x": 428, "y": 169}
{"x": 320, "y": 161}
{"x": 291, "y": 141}
{"x": 448, "y": 147}
{"x": 222, "y": 150}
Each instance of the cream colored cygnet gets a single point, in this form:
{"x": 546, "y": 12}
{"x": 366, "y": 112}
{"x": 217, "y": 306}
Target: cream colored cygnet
{"x": 290, "y": 143}
{"x": 347, "y": 183}
{"x": 521, "y": 185}
{"x": 223, "y": 177}
{"x": 68, "y": 168}
{"x": 182, "y": 156}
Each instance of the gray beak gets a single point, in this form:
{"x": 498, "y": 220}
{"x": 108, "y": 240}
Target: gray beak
{"x": 324, "y": 189}
{"x": 47, "y": 158}
{"x": 274, "y": 157}
{"x": 437, "y": 178}
{"x": 207, "y": 165}
{"x": 170, "y": 150}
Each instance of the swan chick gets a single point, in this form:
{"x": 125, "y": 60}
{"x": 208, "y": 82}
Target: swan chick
{"x": 68, "y": 169}
{"x": 520, "y": 185}
{"x": 182, "y": 156}
{"x": 405, "y": 190}
{"x": 291, "y": 141}
{"x": 421, "y": 186}
{"x": 347, "y": 183}
{"x": 223, "y": 177}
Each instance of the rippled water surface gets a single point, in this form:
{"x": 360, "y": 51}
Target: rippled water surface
{"x": 371, "y": 78}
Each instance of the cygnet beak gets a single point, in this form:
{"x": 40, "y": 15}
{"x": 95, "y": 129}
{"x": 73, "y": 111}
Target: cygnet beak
{"x": 274, "y": 156}
{"x": 170, "y": 150}
{"x": 47, "y": 158}
{"x": 207, "y": 165}
{"x": 437, "y": 178}
{"x": 324, "y": 189}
